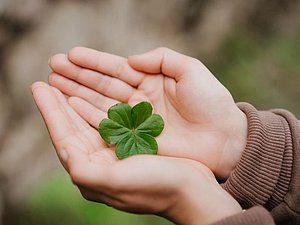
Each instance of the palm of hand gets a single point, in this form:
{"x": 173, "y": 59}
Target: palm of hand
{"x": 194, "y": 105}
{"x": 192, "y": 120}
{"x": 99, "y": 175}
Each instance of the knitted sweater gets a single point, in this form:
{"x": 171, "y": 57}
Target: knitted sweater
{"x": 266, "y": 180}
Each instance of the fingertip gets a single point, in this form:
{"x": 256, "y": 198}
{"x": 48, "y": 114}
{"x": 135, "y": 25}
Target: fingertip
{"x": 135, "y": 62}
{"x": 74, "y": 52}
{"x": 53, "y": 78}
{"x": 152, "y": 61}
{"x": 166, "y": 61}
{"x": 147, "y": 62}
{"x": 57, "y": 61}
{"x": 40, "y": 94}
{"x": 73, "y": 100}
{"x": 38, "y": 84}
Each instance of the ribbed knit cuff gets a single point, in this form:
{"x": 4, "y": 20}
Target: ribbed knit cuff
{"x": 256, "y": 215}
{"x": 263, "y": 173}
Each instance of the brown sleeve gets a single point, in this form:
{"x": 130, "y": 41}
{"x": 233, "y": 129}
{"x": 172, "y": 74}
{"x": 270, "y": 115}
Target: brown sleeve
{"x": 257, "y": 215}
{"x": 268, "y": 173}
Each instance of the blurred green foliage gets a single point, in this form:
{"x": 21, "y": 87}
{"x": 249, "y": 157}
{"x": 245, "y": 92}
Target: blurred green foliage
{"x": 57, "y": 202}
{"x": 261, "y": 69}
{"x": 257, "y": 68}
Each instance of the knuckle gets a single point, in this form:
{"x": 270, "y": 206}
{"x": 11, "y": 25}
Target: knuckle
{"x": 104, "y": 84}
{"x": 97, "y": 98}
{"x": 80, "y": 73}
{"x": 120, "y": 70}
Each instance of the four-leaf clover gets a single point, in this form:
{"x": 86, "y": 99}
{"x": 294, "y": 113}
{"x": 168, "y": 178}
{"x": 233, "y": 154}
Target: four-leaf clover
{"x": 131, "y": 129}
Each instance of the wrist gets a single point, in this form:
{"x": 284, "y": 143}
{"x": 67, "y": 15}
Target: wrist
{"x": 202, "y": 201}
{"x": 236, "y": 130}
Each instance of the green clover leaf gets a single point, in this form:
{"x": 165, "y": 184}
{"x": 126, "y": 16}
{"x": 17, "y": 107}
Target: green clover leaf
{"x": 132, "y": 130}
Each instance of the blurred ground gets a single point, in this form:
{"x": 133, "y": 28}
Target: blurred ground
{"x": 251, "y": 46}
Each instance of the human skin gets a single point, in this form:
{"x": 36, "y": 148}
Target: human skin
{"x": 202, "y": 121}
{"x": 182, "y": 190}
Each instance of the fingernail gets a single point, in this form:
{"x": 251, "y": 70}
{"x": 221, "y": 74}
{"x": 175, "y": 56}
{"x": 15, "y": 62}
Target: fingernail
{"x": 49, "y": 61}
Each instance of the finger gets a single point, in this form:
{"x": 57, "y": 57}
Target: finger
{"x": 166, "y": 61}
{"x": 56, "y": 119}
{"x": 72, "y": 88}
{"x": 76, "y": 123}
{"x": 62, "y": 121}
{"x": 104, "y": 84}
{"x": 87, "y": 111}
{"x": 92, "y": 137}
{"x": 112, "y": 65}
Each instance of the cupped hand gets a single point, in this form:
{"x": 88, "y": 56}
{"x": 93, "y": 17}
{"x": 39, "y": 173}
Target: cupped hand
{"x": 181, "y": 190}
{"x": 202, "y": 121}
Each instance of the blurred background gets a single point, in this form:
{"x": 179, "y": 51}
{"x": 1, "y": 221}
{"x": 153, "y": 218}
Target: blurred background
{"x": 252, "y": 47}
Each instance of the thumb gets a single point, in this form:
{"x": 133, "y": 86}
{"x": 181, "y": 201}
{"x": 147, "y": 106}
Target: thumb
{"x": 166, "y": 61}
